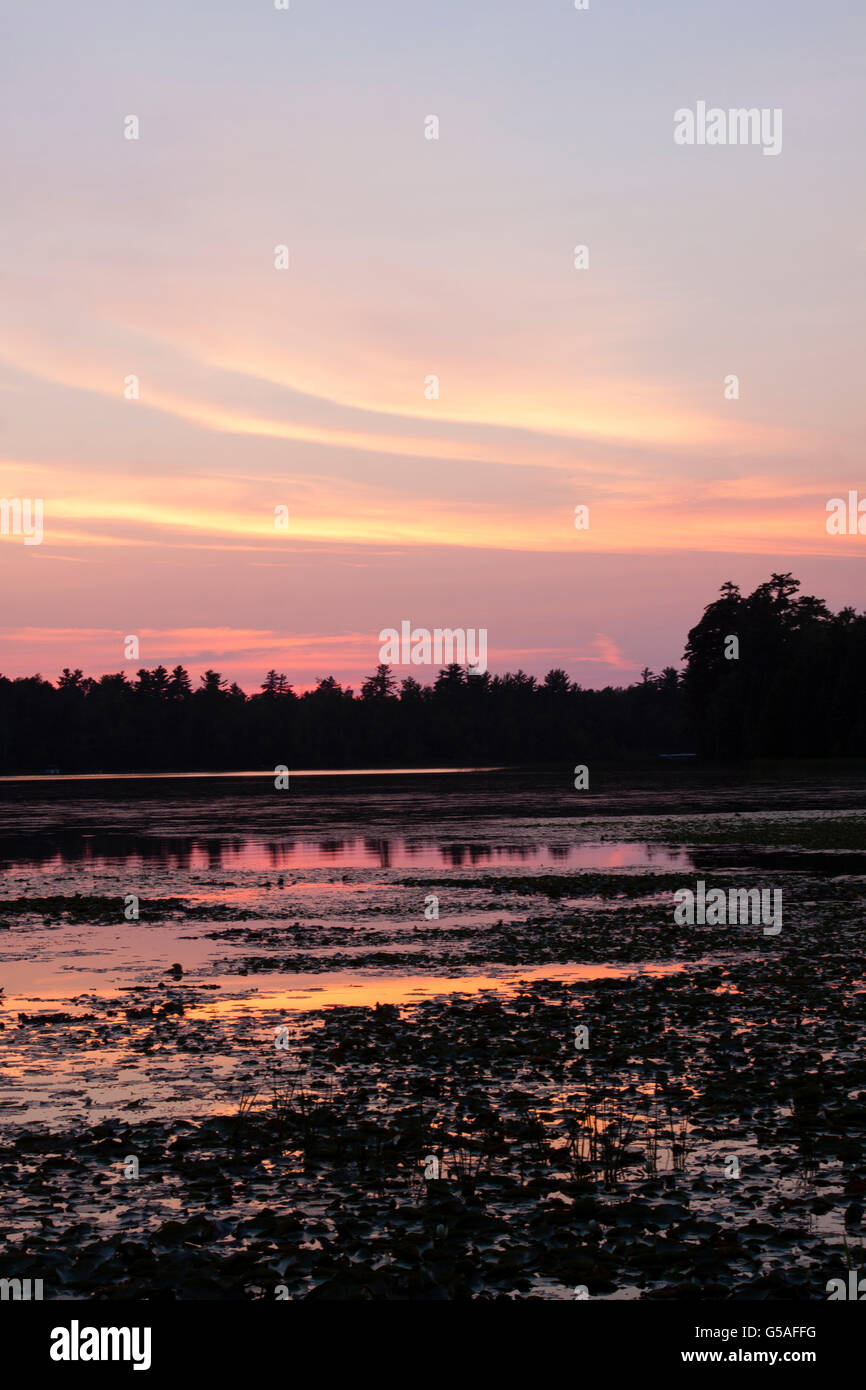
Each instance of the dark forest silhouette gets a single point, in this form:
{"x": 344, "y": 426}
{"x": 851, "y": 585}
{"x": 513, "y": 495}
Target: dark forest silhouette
{"x": 797, "y": 690}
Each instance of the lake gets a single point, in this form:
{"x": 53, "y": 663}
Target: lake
{"x": 362, "y": 970}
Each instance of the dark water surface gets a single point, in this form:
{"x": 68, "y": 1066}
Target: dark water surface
{"x": 311, "y": 909}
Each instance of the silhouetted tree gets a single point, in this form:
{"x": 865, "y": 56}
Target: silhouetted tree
{"x": 179, "y": 685}
{"x": 795, "y": 687}
{"x": 380, "y": 686}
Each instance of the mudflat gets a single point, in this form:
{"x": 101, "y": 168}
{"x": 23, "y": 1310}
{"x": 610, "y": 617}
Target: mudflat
{"x": 432, "y": 1036}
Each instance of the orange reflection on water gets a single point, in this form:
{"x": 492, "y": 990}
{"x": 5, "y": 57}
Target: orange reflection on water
{"x": 352, "y": 990}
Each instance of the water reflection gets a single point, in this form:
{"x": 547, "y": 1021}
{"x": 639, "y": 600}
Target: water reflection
{"x": 342, "y": 991}
{"x": 112, "y": 850}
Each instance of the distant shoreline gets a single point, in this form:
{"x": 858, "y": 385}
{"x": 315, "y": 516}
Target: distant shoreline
{"x": 260, "y": 772}
{"x": 652, "y": 764}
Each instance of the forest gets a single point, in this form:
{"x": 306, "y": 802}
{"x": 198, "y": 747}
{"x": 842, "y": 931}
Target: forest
{"x": 791, "y": 684}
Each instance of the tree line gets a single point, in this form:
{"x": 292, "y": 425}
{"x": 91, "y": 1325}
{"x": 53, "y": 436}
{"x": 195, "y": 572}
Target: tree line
{"x": 792, "y": 684}
{"x": 796, "y": 688}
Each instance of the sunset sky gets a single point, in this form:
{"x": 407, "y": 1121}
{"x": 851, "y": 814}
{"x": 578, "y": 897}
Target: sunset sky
{"x": 305, "y": 388}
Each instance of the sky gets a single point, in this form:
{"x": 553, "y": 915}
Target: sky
{"x": 166, "y": 389}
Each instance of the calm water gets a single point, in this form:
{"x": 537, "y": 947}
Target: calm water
{"x": 102, "y": 854}
{"x": 308, "y": 898}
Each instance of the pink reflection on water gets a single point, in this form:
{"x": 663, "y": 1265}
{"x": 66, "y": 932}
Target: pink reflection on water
{"x": 370, "y": 852}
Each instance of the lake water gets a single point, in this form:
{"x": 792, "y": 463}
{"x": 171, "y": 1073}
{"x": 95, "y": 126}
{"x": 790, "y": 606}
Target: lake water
{"x": 333, "y": 853}
{"x": 425, "y": 937}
